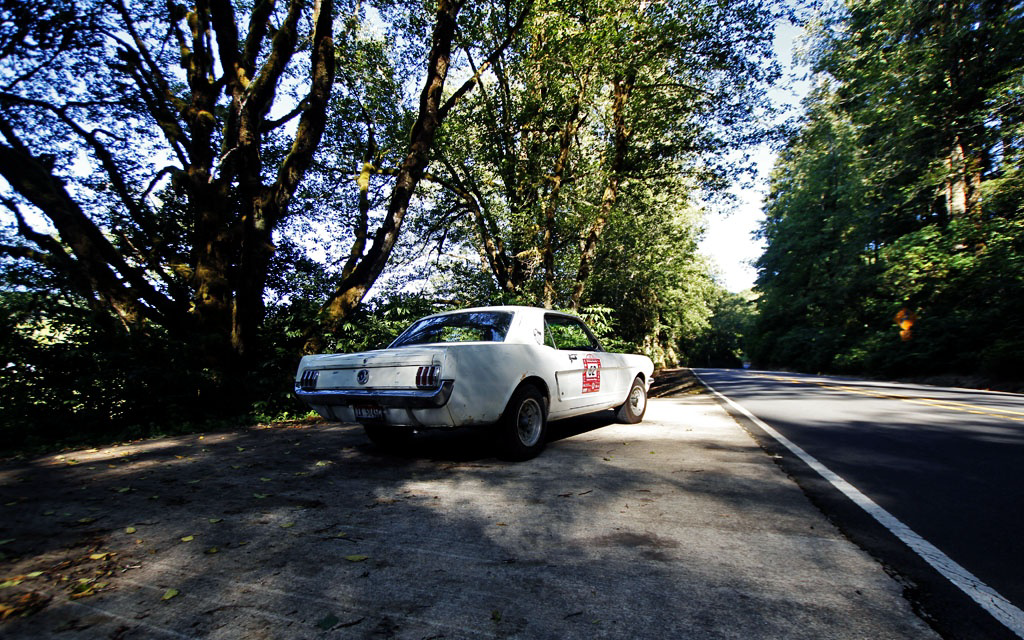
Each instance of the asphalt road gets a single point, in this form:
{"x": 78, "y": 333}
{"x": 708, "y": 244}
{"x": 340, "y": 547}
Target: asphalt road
{"x": 679, "y": 527}
{"x": 946, "y": 464}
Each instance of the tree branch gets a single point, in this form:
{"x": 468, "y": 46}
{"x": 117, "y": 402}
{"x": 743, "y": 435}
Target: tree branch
{"x": 27, "y": 253}
{"x": 351, "y": 290}
{"x": 226, "y": 28}
{"x": 270, "y": 125}
{"x": 44, "y": 241}
{"x": 160, "y": 100}
{"x": 96, "y": 255}
{"x": 260, "y": 92}
{"x": 468, "y": 85}
{"x": 258, "y": 20}
{"x": 102, "y": 153}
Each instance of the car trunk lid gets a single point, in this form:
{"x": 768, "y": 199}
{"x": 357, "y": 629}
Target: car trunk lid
{"x": 403, "y": 368}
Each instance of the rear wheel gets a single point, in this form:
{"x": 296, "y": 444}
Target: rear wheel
{"x": 388, "y": 438}
{"x": 522, "y": 431}
{"x": 633, "y": 409}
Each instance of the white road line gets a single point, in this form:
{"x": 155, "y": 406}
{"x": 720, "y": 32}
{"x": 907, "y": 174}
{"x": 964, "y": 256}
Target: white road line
{"x": 1002, "y": 609}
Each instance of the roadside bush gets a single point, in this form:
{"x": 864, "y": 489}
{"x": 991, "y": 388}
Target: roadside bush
{"x": 67, "y": 375}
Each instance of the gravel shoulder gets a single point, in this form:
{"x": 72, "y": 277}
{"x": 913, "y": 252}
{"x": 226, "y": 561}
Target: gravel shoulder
{"x": 679, "y": 527}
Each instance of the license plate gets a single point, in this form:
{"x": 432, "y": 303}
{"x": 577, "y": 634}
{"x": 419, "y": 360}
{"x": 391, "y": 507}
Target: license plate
{"x": 369, "y": 413}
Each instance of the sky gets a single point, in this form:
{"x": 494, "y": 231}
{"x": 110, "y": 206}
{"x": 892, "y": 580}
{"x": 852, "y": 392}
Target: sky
{"x": 729, "y": 236}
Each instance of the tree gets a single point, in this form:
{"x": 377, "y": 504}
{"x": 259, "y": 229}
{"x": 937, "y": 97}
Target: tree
{"x": 651, "y": 273}
{"x": 362, "y": 269}
{"x": 597, "y": 95}
{"x": 819, "y": 232}
{"x": 153, "y": 153}
{"x": 129, "y": 102}
{"x": 900, "y": 194}
{"x": 723, "y": 343}
{"x": 919, "y": 77}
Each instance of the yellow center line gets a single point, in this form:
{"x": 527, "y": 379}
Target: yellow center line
{"x": 994, "y": 412}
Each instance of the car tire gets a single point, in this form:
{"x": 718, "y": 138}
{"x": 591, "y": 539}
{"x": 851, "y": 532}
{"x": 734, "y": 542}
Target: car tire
{"x": 388, "y": 438}
{"x": 522, "y": 430}
{"x": 633, "y": 409}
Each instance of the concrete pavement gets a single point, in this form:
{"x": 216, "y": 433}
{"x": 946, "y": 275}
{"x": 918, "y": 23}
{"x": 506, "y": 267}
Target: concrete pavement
{"x": 679, "y": 527}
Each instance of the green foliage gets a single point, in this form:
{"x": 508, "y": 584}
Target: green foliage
{"x": 571, "y": 174}
{"x": 376, "y": 325}
{"x": 602, "y": 322}
{"x": 72, "y": 376}
{"x": 901, "y": 191}
{"x": 723, "y": 343}
{"x": 649, "y": 271}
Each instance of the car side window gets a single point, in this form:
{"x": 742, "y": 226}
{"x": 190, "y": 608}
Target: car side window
{"x": 569, "y": 334}
{"x": 549, "y": 337}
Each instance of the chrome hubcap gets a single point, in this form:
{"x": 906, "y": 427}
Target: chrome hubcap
{"x": 637, "y": 400}
{"x": 529, "y": 422}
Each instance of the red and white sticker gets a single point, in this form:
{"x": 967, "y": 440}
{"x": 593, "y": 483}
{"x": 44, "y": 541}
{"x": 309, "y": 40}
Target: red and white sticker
{"x": 591, "y": 374}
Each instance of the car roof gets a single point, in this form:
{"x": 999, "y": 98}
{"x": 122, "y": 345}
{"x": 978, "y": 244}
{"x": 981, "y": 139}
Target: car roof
{"x": 507, "y": 308}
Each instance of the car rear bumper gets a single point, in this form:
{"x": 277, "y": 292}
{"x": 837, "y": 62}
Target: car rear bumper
{"x": 399, "y": 398}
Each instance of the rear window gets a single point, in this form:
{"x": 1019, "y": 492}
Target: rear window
{"x": 474, "y": 326}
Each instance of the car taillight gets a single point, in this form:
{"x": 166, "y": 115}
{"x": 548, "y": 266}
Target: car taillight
{"x": 308, "y": 380}
{"x": 428, "y": 377}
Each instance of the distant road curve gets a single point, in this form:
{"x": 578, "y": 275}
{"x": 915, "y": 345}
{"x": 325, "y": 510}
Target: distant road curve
{"x": 941, "y": 469}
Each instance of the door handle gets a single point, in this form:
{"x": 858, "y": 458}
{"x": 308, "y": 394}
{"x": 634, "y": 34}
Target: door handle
{"x": 572, "y": 357}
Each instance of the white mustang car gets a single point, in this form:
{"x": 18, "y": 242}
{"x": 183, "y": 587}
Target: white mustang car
{"x": 512, "y": 367}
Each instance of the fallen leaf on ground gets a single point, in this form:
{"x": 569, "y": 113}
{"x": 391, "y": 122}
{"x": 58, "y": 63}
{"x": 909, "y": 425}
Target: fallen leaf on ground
{"x": 188, "y": 538}
{"x": 357, "y": 558}
{"x": 24, "y": 605}
{"x": 170, "y": 593}
{"x": 86, "y": 587}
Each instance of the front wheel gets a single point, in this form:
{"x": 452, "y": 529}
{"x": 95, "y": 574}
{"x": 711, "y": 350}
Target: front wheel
{"x": 633, "y": 409}
{"x": 522, "y": 431}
